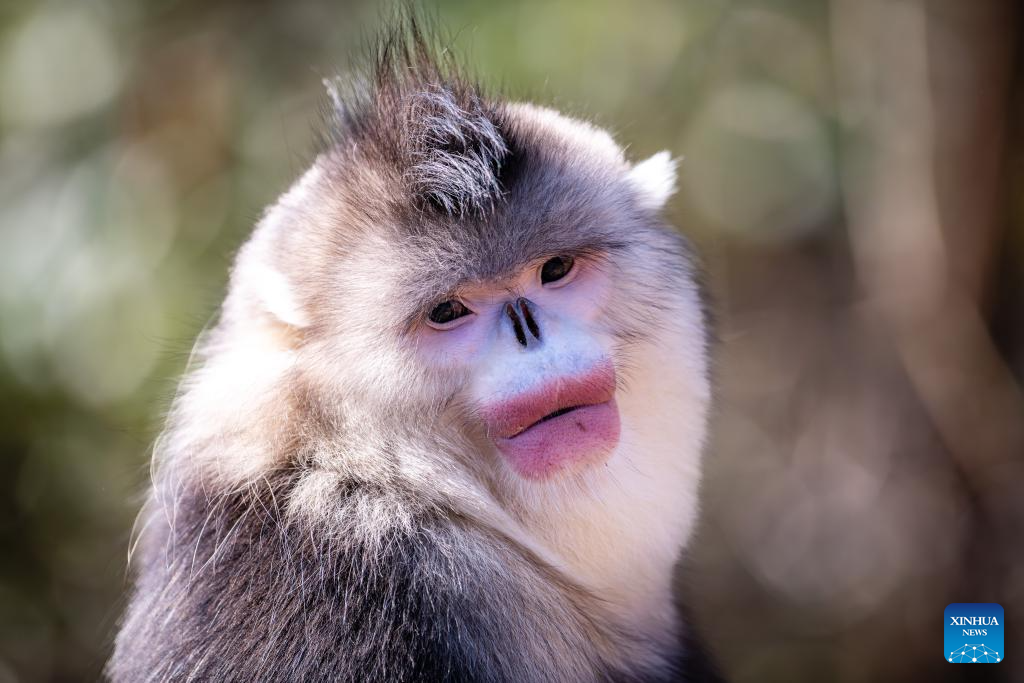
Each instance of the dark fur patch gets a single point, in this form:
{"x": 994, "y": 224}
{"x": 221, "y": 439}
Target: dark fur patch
{"x": 418, "y": 112}
{"x": 229, "y": 590}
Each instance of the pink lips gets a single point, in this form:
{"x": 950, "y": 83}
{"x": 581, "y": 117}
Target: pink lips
{"x": 566, "y": 423}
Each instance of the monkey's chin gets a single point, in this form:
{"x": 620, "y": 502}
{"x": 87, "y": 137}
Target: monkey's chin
{"x": 568, "y": 442}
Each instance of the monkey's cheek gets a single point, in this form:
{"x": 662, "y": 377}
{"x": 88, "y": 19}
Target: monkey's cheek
{"x": 568, "y": 443}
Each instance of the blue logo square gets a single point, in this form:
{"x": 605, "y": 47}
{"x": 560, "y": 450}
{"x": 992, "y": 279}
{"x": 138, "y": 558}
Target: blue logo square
{"x": 974, "y": 633}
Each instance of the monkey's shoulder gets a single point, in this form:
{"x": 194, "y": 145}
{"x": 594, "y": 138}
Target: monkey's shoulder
{"x": 229, "y": 589}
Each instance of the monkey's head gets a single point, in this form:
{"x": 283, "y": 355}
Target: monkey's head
{"x": 490, "y": 281}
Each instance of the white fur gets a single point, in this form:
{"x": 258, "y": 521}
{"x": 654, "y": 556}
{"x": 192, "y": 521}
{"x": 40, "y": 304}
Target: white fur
{"x": 592, "y": 142}
{"x": 240, "y": 371}
{"x": 655, "y": 180}
{"x": 237, "y": 384}
{"x": 623, "y": 533}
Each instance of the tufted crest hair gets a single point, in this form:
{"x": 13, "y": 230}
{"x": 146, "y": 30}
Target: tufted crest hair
{"x": 418, "y": 114}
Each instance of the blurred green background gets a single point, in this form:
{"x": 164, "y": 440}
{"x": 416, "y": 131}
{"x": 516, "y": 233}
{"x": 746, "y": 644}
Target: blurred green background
{"x": 851, "y": 174}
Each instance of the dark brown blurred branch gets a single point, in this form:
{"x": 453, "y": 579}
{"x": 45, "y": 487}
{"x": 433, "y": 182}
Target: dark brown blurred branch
{"x": 924, "y": 86}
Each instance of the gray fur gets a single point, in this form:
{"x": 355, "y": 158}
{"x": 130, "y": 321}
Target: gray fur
{"x": 254, "y": 597}
{"x": 423, "y": 117}
{"x": 456, "y": 154}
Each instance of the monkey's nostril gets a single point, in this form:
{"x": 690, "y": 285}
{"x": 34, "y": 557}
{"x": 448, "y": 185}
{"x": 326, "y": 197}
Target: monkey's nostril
{"x": 531, "y": 324}
{"x": 517, "y": 324}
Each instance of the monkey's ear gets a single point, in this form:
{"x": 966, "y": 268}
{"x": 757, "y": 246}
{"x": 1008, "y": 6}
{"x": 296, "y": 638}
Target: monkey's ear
{"x": 654, "y": 179}
{"x": 276, "y": 296}
{"x": 259, "y": 286}
{"x": 262, "y": 281}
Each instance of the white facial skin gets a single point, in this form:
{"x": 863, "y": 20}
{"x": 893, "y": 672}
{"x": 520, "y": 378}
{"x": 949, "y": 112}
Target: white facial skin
{"x": 526, "y": 365}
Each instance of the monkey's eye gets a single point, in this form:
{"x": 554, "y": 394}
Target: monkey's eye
{"x": 447, "y": 312}
{"x": 554, "y": 269}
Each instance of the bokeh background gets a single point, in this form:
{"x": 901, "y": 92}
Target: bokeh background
{"x": 852, "y": 174}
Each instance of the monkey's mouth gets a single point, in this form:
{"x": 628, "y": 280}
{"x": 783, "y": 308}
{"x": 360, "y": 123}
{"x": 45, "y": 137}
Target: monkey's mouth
{"x": 567, "y": 424}
{"x": 567, "y": 439}
{"x": 550, "y": 416}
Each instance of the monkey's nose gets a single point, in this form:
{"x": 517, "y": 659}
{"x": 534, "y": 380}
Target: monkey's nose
{"x": 524, "y": 324}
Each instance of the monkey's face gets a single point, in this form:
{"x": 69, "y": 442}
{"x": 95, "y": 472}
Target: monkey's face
{"x": 480, "y": 299}
{"x": 535, "y": 335}
{"x": 535, "y": 349}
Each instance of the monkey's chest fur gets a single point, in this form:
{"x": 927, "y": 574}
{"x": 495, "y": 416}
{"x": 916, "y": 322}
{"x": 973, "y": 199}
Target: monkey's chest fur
{"x": 231, "y": 591}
